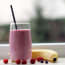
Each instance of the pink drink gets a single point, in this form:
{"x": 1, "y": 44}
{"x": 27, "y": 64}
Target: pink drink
{"x": 20, "y": 44}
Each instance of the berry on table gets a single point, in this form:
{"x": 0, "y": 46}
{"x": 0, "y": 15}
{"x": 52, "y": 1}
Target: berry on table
{"x": 18, "y": 61}
{"x": 24, "y": 62}
{"x": 5, "y": 61}
{"x": 46, "y": 62}
{"x": 32, "y": 61}
{"x": 39, "y": 59}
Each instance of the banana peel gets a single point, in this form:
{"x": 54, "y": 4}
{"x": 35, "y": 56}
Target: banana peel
{"x": 48, "y": 55}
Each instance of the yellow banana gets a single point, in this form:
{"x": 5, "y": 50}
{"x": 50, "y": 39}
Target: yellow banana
{"x": 49, "y": 55}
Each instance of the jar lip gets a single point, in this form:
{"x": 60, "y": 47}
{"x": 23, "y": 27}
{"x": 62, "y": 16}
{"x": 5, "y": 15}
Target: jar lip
{"x": 20, "y": 23}
{"x": 19, "y": 29}
{"x": 20, "y": 26}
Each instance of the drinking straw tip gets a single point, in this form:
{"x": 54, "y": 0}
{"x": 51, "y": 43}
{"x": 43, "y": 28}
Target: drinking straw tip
{"x": 13, "y": 16}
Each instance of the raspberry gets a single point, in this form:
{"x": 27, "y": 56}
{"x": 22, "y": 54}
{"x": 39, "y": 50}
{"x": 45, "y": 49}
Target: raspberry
{"x": 32, "y": 61}
{"x": 5, "y": 61}
{"x": 46, "y": 62}
{"x": 18, "y": 61}
{"x": 39, "y": 59}
{"x": 24, "y": 62}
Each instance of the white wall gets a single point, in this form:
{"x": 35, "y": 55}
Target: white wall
{"x": 24, "y": 9}
{"x": 53, "y": 8}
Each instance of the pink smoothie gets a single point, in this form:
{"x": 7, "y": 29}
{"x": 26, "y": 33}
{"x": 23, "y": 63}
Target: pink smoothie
{"x": 20, "y": 44}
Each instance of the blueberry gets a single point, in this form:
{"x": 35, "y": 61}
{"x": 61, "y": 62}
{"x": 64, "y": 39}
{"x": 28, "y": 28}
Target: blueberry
{"x": 41, "y": 61}
{"x": 46, "y": 62}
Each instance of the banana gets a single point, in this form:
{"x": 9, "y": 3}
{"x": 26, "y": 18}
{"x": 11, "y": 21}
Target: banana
{"x": 49, "y": 55}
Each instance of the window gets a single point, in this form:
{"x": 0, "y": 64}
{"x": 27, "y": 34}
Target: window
{"x": 47, "y": 19}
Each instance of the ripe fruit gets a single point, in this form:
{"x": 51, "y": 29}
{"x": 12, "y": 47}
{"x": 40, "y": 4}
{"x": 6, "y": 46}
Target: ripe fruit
{"x": 5, "y": 61}
{"x": 32, "y": 61}
{"x": 46, "y": 62}
{"x": 18, "y": 61}
{"x": 24, "y": 62}
{"x": 47, "y": 54}
{"x": 39, "y": 59}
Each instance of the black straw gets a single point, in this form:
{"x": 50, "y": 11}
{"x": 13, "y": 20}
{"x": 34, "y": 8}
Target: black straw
{"x": 13, "y": 16}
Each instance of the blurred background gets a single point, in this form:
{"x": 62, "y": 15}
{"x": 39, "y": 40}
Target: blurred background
{"x": 47, "y": 19}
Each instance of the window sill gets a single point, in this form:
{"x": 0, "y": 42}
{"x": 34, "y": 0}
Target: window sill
{"x": 59, "y": 47}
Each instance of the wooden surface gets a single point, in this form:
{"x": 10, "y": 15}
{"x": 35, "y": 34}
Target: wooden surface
{"x": 60, "y": 62}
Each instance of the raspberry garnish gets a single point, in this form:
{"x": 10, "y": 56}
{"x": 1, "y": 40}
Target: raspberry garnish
{"x": 18, "y": 61}
{"x": 24, "y": 62}
{"x": 5, "y": 61}
{"x": 39, "y": 59}
{"x": 32, "y": 61}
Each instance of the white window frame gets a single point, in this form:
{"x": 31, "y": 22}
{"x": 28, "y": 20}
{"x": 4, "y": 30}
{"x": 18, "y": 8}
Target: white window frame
{"x": 59, "y": 47}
